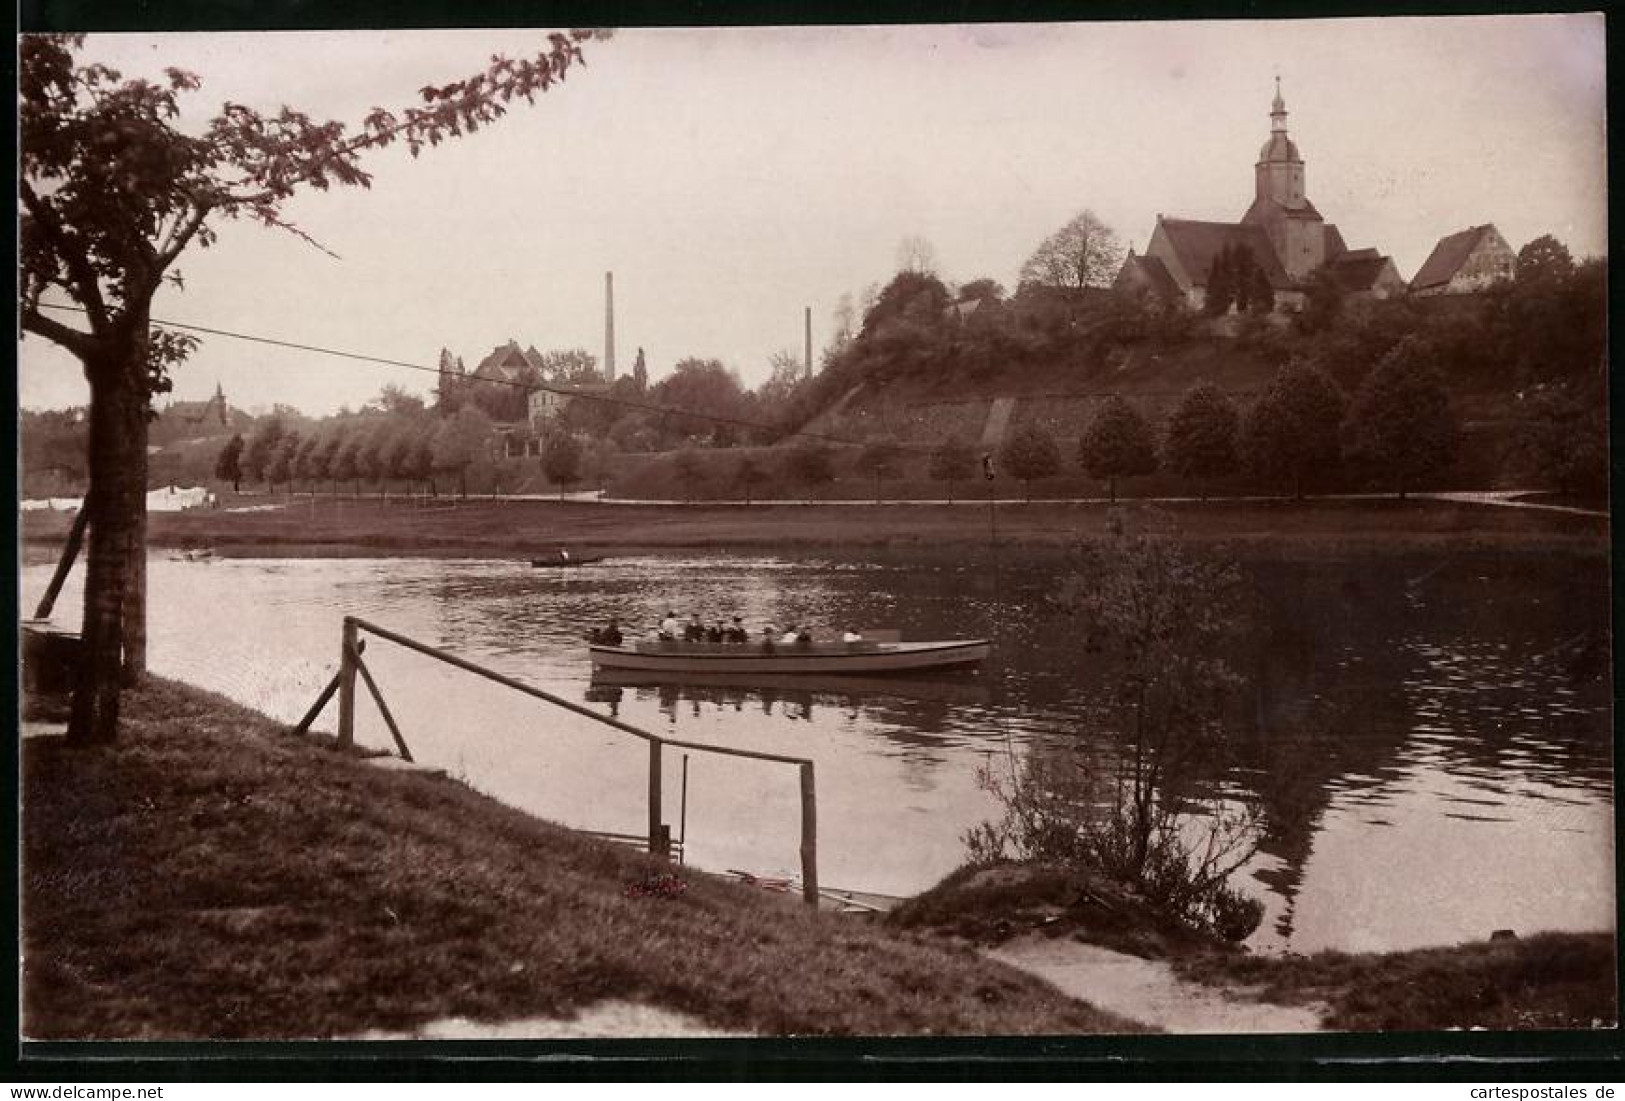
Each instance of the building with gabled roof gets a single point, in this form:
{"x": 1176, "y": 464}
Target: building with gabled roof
{"x": 1366, "y": 273}
{"x": 507, "y": 362}
{"x": 1282, "y": 231}
{"x": 1464, "y": 262}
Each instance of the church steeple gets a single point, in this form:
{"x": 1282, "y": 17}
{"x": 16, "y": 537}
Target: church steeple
{"x": 1279, "y": 173}
{"x": 1280, "y": 200}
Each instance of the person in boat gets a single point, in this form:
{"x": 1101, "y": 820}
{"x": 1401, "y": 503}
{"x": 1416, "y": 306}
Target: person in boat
{"x": 694, "y": 630}
{"x": 791, "y": 637}
{"x": 669, "y": 628}
{"x": 770, "y": 636}
{"x": 609, "y": 636}
{"x": 713, "y": 633}
{"x": 564, "y": 555}
{"x": 804, "y": 637}
{"x": 735, "y": 632}
{"x": 851, "y": 635}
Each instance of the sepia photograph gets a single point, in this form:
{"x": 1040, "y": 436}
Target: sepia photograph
{"x": 734, "y": 533}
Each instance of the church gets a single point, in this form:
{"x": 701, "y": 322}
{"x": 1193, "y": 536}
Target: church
{"x": 1286, "y": 237}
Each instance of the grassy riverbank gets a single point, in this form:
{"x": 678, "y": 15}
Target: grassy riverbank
{"x": 213, "y": 876}
{"x": 1545, "y": 981}
{"x": 325, "y": 527}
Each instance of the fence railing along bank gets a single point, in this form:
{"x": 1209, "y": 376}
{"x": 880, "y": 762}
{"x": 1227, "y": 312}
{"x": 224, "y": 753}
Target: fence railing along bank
{"x": 351, "y": 665}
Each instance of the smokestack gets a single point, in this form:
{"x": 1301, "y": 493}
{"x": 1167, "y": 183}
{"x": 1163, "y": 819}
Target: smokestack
{"x": 609, "y": 326}
{"x": 808, "y": 360}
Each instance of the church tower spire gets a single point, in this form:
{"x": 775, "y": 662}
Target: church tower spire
{"x": 1280, "y": 202}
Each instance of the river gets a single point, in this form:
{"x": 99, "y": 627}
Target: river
{"x": 1430, "y": 742}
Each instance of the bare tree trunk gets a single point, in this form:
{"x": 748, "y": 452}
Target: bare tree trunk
{"x": 117, "y": 492}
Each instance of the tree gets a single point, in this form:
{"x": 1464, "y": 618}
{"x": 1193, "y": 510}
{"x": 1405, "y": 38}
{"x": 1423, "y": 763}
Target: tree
{"x": 346, "y": 466}
{"x": 280, "y": 468}
{"x": 1293, "y": 428}
{"x": 748, "y": 474}
{"x": 571, "y": 366}
{"x": 916, "y": 254}
{"x": 394, "y": 401}
{"x": 324, "y": 462}
{"x": 561, "y": 459}
{"x": 460, "y": 442}
{"x": 952, "y": 461}
{"x": 700, "y": 394}
{"x": 1545, "y": 261}
{"x": 1221, "y": 285}
{"x": 919, "y": 297}
{"x": 1400, "y": 423}
{"x": 640, "y": 373}
{"x": 987, "y": 291}
{"x": 879, "y": 461}
{"x": 228, "y": 467}
{"x": 1116, "y": 800}
{"x": 1323, "y": 301}
{"x": 1562, "y": 443}
{"x": 1117, "y": 444}
{"x": 1083, "y": 253}
{"x": 690, "y": 471}
{"x": 304, "y": 459}
{"x": 1029, "y": 454}
{"x": 262, "y": 448}
{"x": 1201, "y": 440}
{"x": 112, "y": 193}
{"x": 809, "y": 464}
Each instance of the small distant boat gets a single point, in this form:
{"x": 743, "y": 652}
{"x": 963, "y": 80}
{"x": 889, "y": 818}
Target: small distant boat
{"x": 195, "y": 555}
{"x": 562, "y": 561}
{"x": 797, "y": 658}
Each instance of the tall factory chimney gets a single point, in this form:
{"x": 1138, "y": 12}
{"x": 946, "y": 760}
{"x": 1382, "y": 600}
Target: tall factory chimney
{"x": 808, "y": 347}
{"x": 609, "y": 326}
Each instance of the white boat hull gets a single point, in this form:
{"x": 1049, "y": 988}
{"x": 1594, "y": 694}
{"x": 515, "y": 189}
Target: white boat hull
{"x": 820, "y": 658}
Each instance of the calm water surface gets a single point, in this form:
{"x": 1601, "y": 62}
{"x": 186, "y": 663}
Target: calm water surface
{"x": 1429, "y": 739}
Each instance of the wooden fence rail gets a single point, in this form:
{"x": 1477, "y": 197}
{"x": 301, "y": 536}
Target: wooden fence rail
{"x": 659, "y": 833}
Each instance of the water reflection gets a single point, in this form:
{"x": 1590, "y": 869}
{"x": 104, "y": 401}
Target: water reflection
{"x": 1427, "y": 740}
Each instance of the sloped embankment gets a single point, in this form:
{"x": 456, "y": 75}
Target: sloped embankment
{"x": 211, "y": 876}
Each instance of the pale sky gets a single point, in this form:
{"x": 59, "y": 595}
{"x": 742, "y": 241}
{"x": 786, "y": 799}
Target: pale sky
{"x": 730, "y": 177}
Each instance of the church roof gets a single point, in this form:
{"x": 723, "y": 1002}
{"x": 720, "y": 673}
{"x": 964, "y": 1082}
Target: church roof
{"x": 1358, "y": 270}
{"x": 1196, "y": 244}
{"x": 1335, "y": 245}
{"x": 1279, "y": 147}
{"x": 1154, "y": 273}
{"x": 1448, "y": 256}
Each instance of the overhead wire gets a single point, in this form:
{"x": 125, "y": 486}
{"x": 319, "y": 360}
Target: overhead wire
{"x": 565, "y": 390}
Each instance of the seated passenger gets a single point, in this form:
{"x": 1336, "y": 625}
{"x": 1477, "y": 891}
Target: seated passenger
{"x": 713, "y": 633}
{"x": 694, "y": 630}
{"x": 804, "y": 636}
{"x": 611, "y": 635}
{"x": 669, "y": 628}
{"x": 791, "y": 637}
{"x": 735, "y": 632}
{"x": 770, "y": 635}
{"x": 851, "y": 635}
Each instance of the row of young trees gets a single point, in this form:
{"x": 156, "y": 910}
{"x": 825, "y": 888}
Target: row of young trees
{"x": 1399, "y": 428}
{"x": 414, "y": 447}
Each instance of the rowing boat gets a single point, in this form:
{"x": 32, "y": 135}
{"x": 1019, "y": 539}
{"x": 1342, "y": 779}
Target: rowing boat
{"x": 559, "y": 561}
{"x": 799, "y": 658}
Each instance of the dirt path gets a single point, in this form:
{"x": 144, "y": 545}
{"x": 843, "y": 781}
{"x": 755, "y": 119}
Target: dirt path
{"x": 611, "y": 1019}
{"x": 1148, "y": 990}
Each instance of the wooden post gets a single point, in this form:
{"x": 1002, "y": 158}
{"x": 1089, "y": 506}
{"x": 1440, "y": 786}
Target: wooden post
{"x": 321, "y": 702}
{"x": 383, "y": 709}
{"x": 76, "y": 537}
{"x": 347, "y": 656}
{"x": 657, "y": 843}
{"x": 809, "y": 836}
